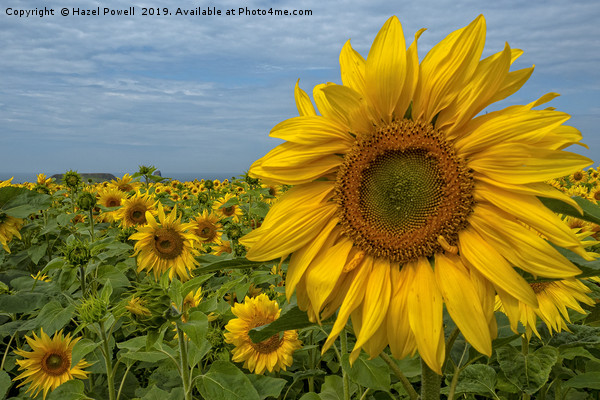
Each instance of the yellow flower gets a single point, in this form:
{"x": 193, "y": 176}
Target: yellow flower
{"x": 553, "y": 300}
{"x": 166, "y": 245}
{"x": 9, "y": 228}
{"x": 135, "y": 305}
{"x": 272, "y": 354}
{"x": 233, "y": 211}
{"x": 48, "y": 365}
{"x": 207, "y": 227}
{"x": 41, "y": 277}
{"x": 126, "y": 184}
{"x": 133, "y": 210}
{"x": 6, "y": 183}
{"x": 406, "y": 200}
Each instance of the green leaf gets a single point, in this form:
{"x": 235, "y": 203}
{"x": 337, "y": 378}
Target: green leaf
{"x": 155, "y": 394}
{"x": 83, "y": 348}
{"x": 588, "y": 268}
{"x": 528, "y": 372}
{"x": 195, "y": 328}
{"x": 580, "y": 335}
{"x": 587, "y": 380}
{"x": 310, "y": 396}
{"x": 149, "y": 356}
{"x": 477, "y": 379}
{"x": 292, "y": 319}
{"x": 70, "y": 390}
{"x": 133, "y": 344}
{"x": 52, "y": 317}
{"x": 22, "y": 302}
{"x": 37, "y": 252}
{"x": 591, "y": 211}
{"x": 333, "y": 388}
{"x": 20, "y": 202}
{"x": 224, "y": 381}
{"x": 5, "y": 384}
{"x": 570, "y": 353}
{"x": 267, "y": 386}
{"x": 373, "y": 374}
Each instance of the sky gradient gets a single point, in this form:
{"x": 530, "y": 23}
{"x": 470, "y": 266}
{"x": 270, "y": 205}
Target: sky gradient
{"x": 199, "y": 94}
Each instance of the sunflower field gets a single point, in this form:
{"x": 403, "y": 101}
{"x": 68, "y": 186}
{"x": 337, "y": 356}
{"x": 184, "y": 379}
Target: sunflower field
{"x": 401, "y": 243}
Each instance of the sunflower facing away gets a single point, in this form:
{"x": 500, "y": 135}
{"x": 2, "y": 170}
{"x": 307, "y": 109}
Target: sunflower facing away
{"x": 272, "y": 354}
{"x": 406, "y": 200}
{"x": 166, "y": 245}
{"x": 48, "y": 364}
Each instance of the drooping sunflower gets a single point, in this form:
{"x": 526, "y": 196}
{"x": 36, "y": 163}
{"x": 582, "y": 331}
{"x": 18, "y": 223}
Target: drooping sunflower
{"x": 406, "y": 200}
{"x": 207, "y": 227}
{"x": 9, "y": 228}
{"x": 554, "y": 297}
{"x": 233, "y": 210}
{"x": 133, "y": 209}
{"x": 272, "y": 354}
{"x": 166, "y": 245}
{"x": 48, "y": 364}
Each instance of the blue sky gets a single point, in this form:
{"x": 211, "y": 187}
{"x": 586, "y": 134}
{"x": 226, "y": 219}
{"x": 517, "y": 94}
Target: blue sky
{"x": 199, "y": 94}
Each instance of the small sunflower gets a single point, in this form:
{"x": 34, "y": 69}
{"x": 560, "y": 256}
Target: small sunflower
{"x": 272, "y": 354}
{"x": 9, "y": 228}
{"x": 48, "y": 365}
{"x": 207, "y": 227}
{"x": 166, "y": 245}
{"x": 553, "y": 300}
{"x": 233, "y": 210}
{"x": 126, "y": 184}
{"x": 578, "y": 177}
{"x": 133, "y": 209}
{"x": 110, "y": 197}
{"x": 409, "y": 198}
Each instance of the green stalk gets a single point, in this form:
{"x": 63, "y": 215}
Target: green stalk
{"x": 344, "y": 350}
{"x": 525, "y": 351}
{"x": 431, "y": 383}
{"x": 185, "y": 370}
{"x": 92, "y": 223}
{"x": 412, "y": 393}
{"x": 82, "y": 273}
{"x": 108, "y": 361}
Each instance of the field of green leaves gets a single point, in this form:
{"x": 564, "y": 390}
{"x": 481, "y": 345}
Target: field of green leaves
{"x": 138, "y": 288}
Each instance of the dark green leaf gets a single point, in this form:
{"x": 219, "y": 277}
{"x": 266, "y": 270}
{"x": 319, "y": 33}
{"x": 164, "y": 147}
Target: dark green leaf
{"x": 22, "y": 302}
{"x": 292, "y": 319}
{"x": 528, "y": 372}
{"x": 195, "y": 328}
{"x": 155, "y": 394}
{"x": 37, "y": 252}
{"x": 236, "y": 263}
{"x": 310, "y": 396}
{"x": 5, "y": 384}
{"x": 591, "y": 211}
{"x": 82, "y": 349}
{"x": 70, "y": 390}
{"x": 333, "y": 388}
{"x": 224, "y": 381}
{"x": 20, "y": 202}
{"x": 149, "y": 356}
{"x": 477, "y": 379}
{"x": 267, "y": 386}
{"x": 53, "y": 317}
{"x": 373, "y": 374}
{"x": 587, "y": 380}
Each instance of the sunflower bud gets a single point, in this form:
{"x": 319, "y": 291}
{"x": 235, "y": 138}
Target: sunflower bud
{"x": 150, "y": 307}
{"x": 86, "y": 201}
{"x": 209, "y": 184}
{"x": 234, "y": 231}
{"x": 249, "y": 180}
{"x": 77, "y": 253}
{"x": 92, "y": 310}
{"x": 71, "y": 179}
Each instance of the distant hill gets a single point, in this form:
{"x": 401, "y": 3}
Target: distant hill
{"x": 85, "y": 176}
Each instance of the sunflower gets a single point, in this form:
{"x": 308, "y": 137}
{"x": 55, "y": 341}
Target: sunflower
{"x": 110, "y": 197}
{"x": 166, "y": 245}
{"x": 233, "y": 210}
{"x": 207, "y": 227}
{"x": 125, "y": 184}
{"x": 43, "y": 180}
{"x": 6, "y": 183}
{"x": 9, "y": 228}
{"x": 553, "y": 300}
{"x": 133, "y": 210}
{"x": 272, "y": 354}
{"x": 48, "y": 365}
{"x": 135, "y": 305}
{"x": 406, "y": 200}
{"x": 578, "y": 177}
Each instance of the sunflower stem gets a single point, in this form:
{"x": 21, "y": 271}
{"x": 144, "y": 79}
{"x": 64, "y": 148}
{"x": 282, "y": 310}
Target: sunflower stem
{"x": 108, "y": 361}
{"x": 412, "y": 393}
{"x": 185, "y": 371}
{"x": 344, "y": 350}
{"x": 123, "y": 381}
{"x": 82, "y": 278}
{"x": 431, "y": 383}
{"x": 525, "y": 351}
{"x": 92, "y": 223}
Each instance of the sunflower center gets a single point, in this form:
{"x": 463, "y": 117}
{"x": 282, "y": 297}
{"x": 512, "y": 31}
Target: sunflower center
{"x": 402, "y": 188}
{"x": 113, "y": 203}
{"x": 137, "y": 214}
{"x": 55, "y": 364}
{"x": 268, "y": 346}
{"x": 539, "y": 286}
{"x": 228, "y": 211}
{"x": 168, "y": 243}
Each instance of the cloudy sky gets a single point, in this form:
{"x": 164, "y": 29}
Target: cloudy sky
{"x": 199, "y": 94}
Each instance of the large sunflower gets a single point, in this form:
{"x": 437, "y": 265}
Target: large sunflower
{"x": 48, "y": 364}
{"x": 405, "y": 200}
{"x": 272, "y": 354}
{"x": 133, "y": 209}
{"x": 166, "y": 245}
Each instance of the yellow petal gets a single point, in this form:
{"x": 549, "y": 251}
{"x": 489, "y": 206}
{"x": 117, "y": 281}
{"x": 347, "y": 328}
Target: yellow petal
{"x": 385, "y": 68}
{"x": 463, "y": 302}
{"x": 446, "y": 67}
{"x": 303, "y": 103}
{"x": 476, "y": 252}
{"x": 349, "y": 107}
{"x": 425, "y": 306}
{"x": 410, "y": 81}
{"x": 311, "y": 130}
{"x": 352, "y": 68}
